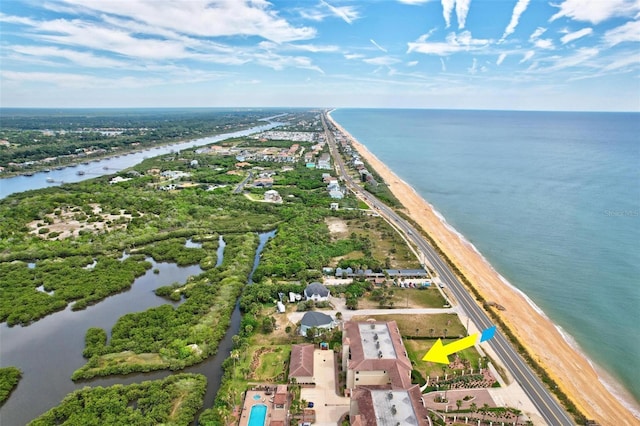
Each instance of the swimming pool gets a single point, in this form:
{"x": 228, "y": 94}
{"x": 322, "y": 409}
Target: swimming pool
{"x": 258, "y": 415}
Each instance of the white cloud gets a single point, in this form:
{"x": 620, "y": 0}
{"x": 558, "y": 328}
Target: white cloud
{"x": 454, "y": 43}
{"x": 474, "y": 67}
{"x": 518, "y": 10}
{"x": 447, "y": 8}
{"x": 527, "y": 56}
{"x": 576, "y": 35}
{"x": 377, "y": 45}
{"x": 627, "y": 32}
{"x": 462, "y": 9}
{"x": 381, "y": 60}
{"x": 596, "y": 11}
{"x": 623, "y": 62}
{"x": 443, "y": 66}
{"x": 347, "y": 13}
{"x": 412, "y": 63}
{"x": 77, "y": 81}
{"x": 351, "y": 56}
{"x": 501, "y": 58}
{"x": 413, "y": 2}
{"x": 543, "y": 43}
{"x": 84, "y": 59}
{"x": 582, "y": 55}
{"x": 537, "y": 33}
{"x": 204, "y": 18}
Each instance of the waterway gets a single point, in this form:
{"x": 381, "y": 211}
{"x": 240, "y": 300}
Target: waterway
{"x": 106, "y": 166}
{"x": 50, "y": 350}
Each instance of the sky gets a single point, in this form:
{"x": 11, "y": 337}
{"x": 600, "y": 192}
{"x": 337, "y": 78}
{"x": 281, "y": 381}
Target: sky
{"x": 460, "y": 54}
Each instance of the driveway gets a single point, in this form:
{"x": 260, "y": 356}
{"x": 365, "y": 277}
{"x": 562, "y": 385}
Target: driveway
{"x": 328, "y": 405}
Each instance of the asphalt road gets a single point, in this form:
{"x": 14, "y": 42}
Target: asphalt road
{"x": 545, "y": 402}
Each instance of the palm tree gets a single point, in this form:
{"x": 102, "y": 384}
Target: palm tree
{"x": 459, "y": 403}
{"x": 474, "y": 407}
{"x": 485, "y": 410}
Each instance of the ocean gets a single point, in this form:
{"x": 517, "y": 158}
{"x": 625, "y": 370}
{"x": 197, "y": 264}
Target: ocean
{"x": 550, "y": 199}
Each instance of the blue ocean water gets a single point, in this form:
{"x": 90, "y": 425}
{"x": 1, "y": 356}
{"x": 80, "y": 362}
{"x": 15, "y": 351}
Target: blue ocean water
{"x": 550, "y": 199}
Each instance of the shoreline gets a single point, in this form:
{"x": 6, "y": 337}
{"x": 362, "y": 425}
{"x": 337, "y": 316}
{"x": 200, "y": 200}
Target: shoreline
{"x": 594, "y": 392}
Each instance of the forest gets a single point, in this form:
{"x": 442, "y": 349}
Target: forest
{"x": 171, "y": 401}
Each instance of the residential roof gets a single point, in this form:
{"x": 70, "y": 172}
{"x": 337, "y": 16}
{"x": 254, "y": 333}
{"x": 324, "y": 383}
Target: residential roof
{"x": 315, "y": 319}
{"x": 301, "y": 364}
{"x": 280, "y": 397}
{"x": 374, "y": 406}
{"x": 382, "y": 353}
{"x": 316, "y": 288}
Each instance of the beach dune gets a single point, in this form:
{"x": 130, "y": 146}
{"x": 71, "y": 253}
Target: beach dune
{"x": 571, "y": 370}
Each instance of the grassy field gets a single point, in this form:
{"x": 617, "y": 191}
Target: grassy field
{"x": 423, "y": 325}
{"x": 408, "y": 298}
{"x": 271, "y": 365}
{"x": 417, "y": 348}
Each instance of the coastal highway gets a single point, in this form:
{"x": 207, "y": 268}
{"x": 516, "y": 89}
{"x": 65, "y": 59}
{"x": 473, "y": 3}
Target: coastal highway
{"x": 547, "y": 405}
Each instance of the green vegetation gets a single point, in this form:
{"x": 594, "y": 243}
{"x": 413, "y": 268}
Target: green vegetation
{"x": 9, "y": 378}
{"x": 171, "y": 401}
{"x": 168, "y": 337}
{"x": 72, "y": 137}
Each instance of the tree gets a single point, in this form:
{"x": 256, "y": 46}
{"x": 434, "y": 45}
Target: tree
{"x": 474, "y": 407}
{"x": 459, "y": 403}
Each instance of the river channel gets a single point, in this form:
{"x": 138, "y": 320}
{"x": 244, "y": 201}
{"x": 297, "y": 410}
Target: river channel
{"x": 110, "y": 165}
{"x": 50, "y": 350}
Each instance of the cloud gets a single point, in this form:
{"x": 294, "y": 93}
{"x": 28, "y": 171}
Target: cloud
{"x": 518, "y": 10}
{"x": 576, "y": 35}
{"x": 596, "y": 11}
{"x": 203, "y": 18}
{"x": 447, "y": 8}
{"x": 527, "y": 56}
{"x": 543, "y": 43}
{"x": 627, "y": 32}
{"x": 582, "y": 55}
{"x": 501, "y": 58}
{"x": 453, "y": 44}
{"x": 413, "y": 2}
{"x": 443, "y": 66}
{"x": 623, "y": 62}
{"x": 381, "y": 60}
{"x": 84, "y": 59}
{"x": 412, "y": 63}
{"x": 347, "y": 13}
{"x": 474, "y": 67}
{"x": 462, "y": 9}
{"x": 377, "y": 45}
{"x": 78, "y": 81}
{"x": 537, "y": 33}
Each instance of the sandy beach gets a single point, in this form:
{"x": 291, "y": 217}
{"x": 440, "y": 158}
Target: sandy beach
{"x": 567, "y": 366}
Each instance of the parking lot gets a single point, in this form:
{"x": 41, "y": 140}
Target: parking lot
{"x": 328, "y": 405}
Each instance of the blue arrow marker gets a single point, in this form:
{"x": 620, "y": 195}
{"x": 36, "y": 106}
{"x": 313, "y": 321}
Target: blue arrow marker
{"x": 488, "y": 333}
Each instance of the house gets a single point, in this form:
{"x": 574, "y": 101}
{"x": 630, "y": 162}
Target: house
{"x": 118, "y": 179}
{"x": 371, "y": 406}
{"x": 272, "y": 196}
{"x": 301, "y": 364}
{"x": 315, "y": 319}
{"x": 316, "y": 292}
{"x": 336, "y": 194}
{"x": 280, "y": 398}
{"x": 373, "y": 355}
{"x": 324, "y": 162}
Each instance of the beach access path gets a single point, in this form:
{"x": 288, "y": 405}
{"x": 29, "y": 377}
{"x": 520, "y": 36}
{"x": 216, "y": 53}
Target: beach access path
{"x": 573, "y": 373}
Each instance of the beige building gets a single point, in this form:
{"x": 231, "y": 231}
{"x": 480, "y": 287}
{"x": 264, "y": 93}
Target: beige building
{"x": 386, "y": 407}
{"x": 373, "y": 354}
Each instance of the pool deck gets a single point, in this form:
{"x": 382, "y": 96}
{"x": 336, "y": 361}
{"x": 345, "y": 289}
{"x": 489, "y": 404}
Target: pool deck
{"x": 261, "y": 397}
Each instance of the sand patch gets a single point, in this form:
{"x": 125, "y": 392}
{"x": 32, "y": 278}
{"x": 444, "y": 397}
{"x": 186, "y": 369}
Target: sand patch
{"x": 69, "y": 221}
